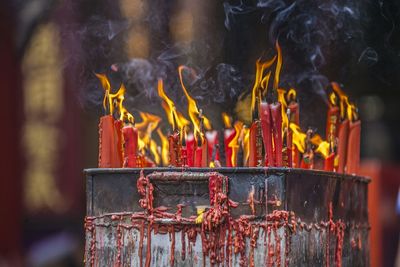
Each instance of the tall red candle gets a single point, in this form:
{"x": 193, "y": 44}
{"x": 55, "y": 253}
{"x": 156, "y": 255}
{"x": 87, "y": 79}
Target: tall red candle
{"x": 255, "y": 145}
{"x": 174, "y": 149}
{"x": 353, "y": 148}
{"x": 266, "y": 126}
{"x": 342, "y": 145}
{"x": 201, "y": 155}
{"x": 110, "y": 156}
{"x": 276, "y": 114}
{"x": 332, "y": 122}
{"x": 293, "y": 152}
{"x": 130, "y": 146}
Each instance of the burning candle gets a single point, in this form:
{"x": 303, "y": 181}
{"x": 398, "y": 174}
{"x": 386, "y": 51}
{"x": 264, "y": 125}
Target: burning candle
{"x": 201, "y": 153}
{"x": 276, "y": 114}
{"x": 255, "y": 144}
{"x": 293, "y": 117}
{"x": 307, "y": 161}
{"x": 174, "y": 149}
{"x": 229, "y": 134}
{"x": 212, "y": 141}
{"x": 353, "y": 148}
{"x": 130, "y": 135}
{"x": 190, "y": 149}
{"x": 342, "y": 145}
{"x": 267, "y": 133}
{"x": 109, "y": 153}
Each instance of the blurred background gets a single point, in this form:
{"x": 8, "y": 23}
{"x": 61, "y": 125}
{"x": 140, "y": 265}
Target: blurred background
{"x": 51, "y": 100}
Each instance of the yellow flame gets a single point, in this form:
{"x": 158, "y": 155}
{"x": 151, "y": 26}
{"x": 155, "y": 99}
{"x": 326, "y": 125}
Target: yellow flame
{"x": 350, "y": 109}
{"x": 173, "y": 116}
{"x": 148, "y": 120}
{"x": 291, "y": 95}
{"x": 323, "y": 147}
{"x": 234, "y": 144}
{"x": 154, "y": 151}
{"x": 260, "y": 80}
{"x": 227, "y": 120}
{"x": 212, "y": 164}
{"x": 164, "y": 147}
{"x": 298, "y": 137}
{"x": 107, "y": 88}
{"x": 332, "y": 99}
{"x": 246, "y": 143}
{"x": 282, "y": 100}
{"x": 278, "y": 66}
{"x": 193, "y": 111}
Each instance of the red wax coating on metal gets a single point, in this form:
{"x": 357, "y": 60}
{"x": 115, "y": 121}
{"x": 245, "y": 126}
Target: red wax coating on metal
{"x": 353, "y": 148}
{"x": 229, "y": 134}
{"x": 110, "y": 155}
{"x": 212, "y": 141}
{"x": 190, "y": 146}
{"x": 329, "y": 162}
{"x": 342, "y": 145}
{"x": 266, "y": 126}
{"x": 332, "y": 121}
{"x": 276, "y": 114}
{"x": 130, "y": 146}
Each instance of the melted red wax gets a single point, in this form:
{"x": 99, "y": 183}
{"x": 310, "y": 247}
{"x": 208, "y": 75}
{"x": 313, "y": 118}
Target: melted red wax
{"x": 216, "y": 230}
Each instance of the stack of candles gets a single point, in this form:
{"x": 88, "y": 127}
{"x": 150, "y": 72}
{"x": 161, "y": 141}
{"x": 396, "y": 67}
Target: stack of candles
{"x": 273, "y": 138}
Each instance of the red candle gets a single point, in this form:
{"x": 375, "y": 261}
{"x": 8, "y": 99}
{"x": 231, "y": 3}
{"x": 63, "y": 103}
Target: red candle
{"x": 255, "y": 145}
{"x": 332, "y": 122}
{"x": 266, "y": 127}
{"x": 174, "y": 149}
{"x": 342, "y": 145}
{"x": 307, "y": 161}
{"x": 212, "y": 141}
{"x": 119, "y": 142}
{"x": 276, "y": 114}
{"x": 130, "y": 146}
{"x": 353, "y": 148}
{"x": 329, "y": 162}
{"x": 293, "y": 152}
{"x": 229, "y": 134}
{"x": 110, "y": 155}
{"x": 190, "y": 148}
{"x": 201, "y": 155}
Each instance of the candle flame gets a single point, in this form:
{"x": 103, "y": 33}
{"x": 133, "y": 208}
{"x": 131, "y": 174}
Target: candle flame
{"x": 234, "y": 144}
{"x": 194, "y": 113}
{"x": 173, "y": 116}
{"x": 278, "y": 66}
{"x": 246, "y": 143}
{"x": 164, "y": 147}
{"x": 346, "y": 108}
{"x": 323, "y": 147}
{"x": 299, "y": 138}
{"x": 107, "y": 88}
{"x": 227, "y": 120}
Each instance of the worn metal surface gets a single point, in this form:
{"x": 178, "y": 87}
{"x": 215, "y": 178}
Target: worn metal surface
{"x": 313, "y": 234}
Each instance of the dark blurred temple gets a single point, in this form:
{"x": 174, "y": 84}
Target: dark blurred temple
{"x": 51, "y": 99}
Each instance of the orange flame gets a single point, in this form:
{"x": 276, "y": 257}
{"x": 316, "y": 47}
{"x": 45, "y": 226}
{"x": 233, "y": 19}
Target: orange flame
{"x": 291, "y": 95}
{"x": 164, "y": 147}
{"x": 285, "y": 119}
{"x": 194, "y": 113}
{"x": 148, "y": 120}
{"x": 173, "y": 116}
{"x": 234, "y": 144}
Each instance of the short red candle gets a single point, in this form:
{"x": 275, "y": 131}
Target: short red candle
{"x": 329, "y": 162}
{"x": 110, "y": 155}
{"x": 229, "y": 134}
{"x": 130, "y": 135}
